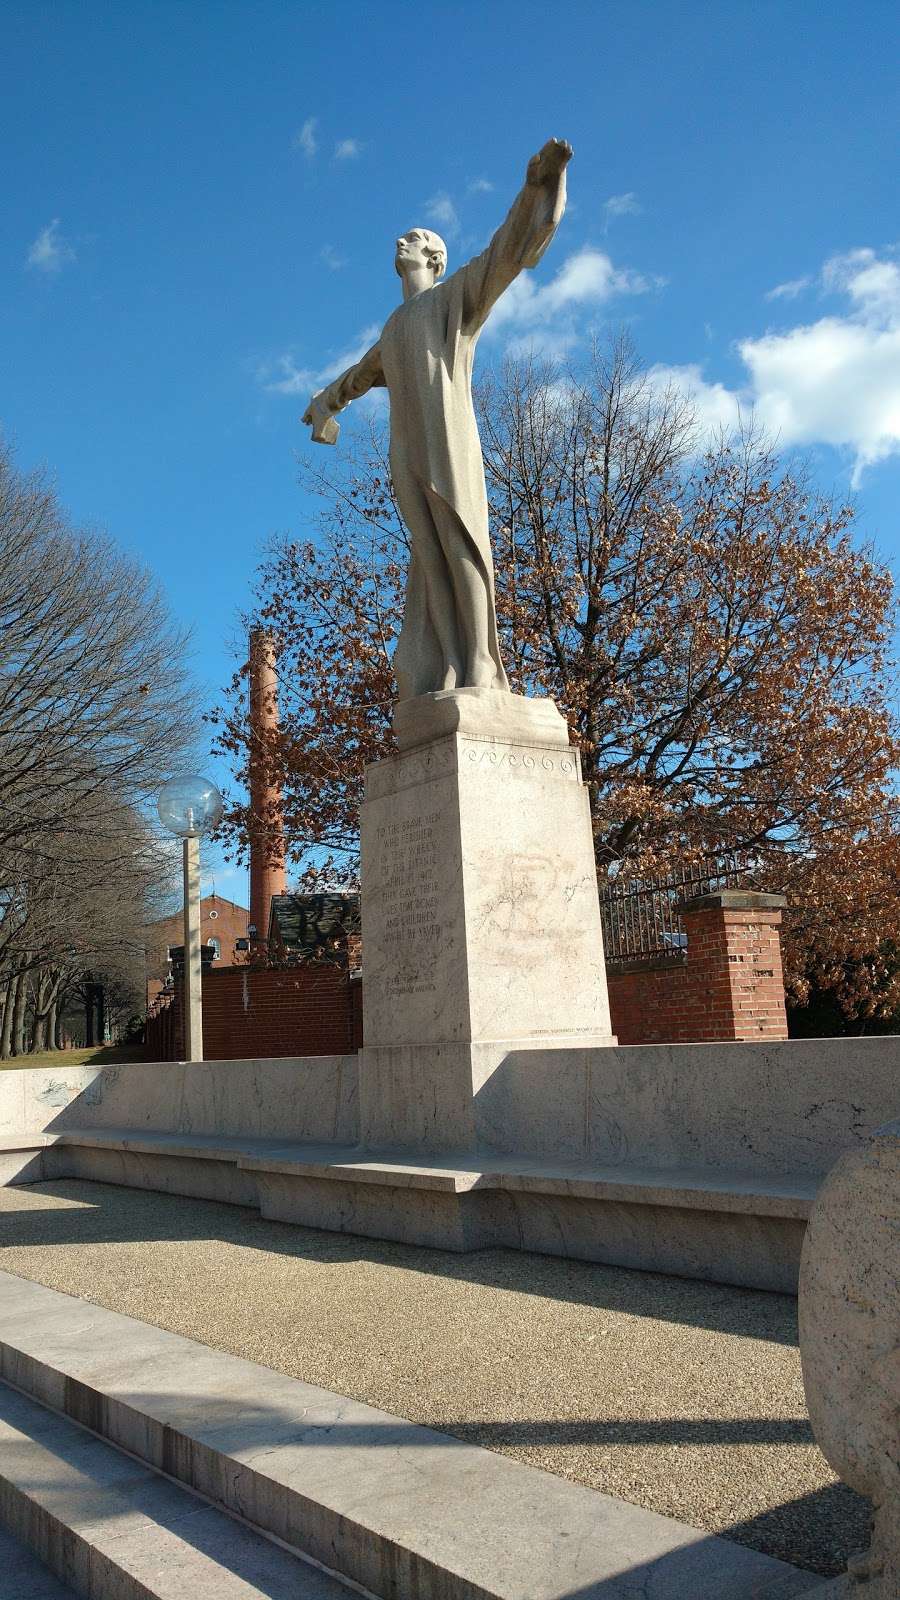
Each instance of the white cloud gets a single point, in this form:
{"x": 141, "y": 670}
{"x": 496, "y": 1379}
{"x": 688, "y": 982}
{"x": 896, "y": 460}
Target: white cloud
{"x": 545, "y": 318}
{"x": 440, "y": 209}
{"x": 480, "y": 186}
{"x": 552, "y": 343}
{"x": 347, "y": 149}
{"x": 621, "y": 205}
{"x": 873, "y": 285}
{"x": 305, "y": 138}
{"x": 834, "y": 381}
{"x": 329, "y": 255}
{"x": 789, "y": 290}
{"x": 281, "y": 375}
{"x": 50, "y": 252}
{"x": 715, "y": 406}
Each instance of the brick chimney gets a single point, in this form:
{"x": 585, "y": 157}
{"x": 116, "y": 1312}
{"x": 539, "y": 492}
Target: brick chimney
{"x": 267, "y": 870}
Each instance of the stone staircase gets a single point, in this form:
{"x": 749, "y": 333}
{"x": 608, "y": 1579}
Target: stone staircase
{"x": 108, "y": 1525}
{"x": 24, "y": 1577}
{"x": 142, "y": 1466}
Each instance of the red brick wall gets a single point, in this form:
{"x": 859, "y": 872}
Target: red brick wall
{"x": 730, "y": 987}
{"x": 252, "y": 1012}
{"x": 646, "y": 1004}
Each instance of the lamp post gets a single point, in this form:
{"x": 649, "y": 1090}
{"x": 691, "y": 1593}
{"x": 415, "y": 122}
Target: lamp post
{"x": 188, "y": 806}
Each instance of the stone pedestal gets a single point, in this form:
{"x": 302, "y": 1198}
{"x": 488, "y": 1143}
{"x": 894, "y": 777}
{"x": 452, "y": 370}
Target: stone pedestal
{"x": 480, "y": 915}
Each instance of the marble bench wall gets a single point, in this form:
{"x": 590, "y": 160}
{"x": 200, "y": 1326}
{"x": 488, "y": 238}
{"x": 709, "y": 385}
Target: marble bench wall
{"x": 791, "y": 1107}
{"x": 312, "y": 1098}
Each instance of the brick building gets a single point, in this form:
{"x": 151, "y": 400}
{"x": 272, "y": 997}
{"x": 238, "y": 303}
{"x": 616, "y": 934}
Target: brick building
{"x": 222, "y": 925}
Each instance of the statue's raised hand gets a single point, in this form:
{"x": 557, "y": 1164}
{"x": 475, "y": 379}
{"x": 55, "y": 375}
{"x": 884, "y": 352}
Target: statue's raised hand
{"x": 319, "y": 417}
{"x": 549, "y": 162}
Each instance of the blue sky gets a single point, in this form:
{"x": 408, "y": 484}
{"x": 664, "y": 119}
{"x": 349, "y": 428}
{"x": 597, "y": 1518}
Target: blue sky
{"x": 200, "y": 203}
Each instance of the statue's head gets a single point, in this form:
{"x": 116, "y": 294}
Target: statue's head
{"x": 418, "y": 249}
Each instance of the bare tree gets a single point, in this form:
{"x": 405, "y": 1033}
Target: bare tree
{"x": 95, "y": 713}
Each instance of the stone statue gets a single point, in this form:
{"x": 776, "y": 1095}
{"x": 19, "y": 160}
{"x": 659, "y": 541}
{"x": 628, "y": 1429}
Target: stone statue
{"x": 424, "y": 358}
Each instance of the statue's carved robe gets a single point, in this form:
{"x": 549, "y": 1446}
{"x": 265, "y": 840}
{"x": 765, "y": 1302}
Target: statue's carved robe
{"x": 425, "y": 357}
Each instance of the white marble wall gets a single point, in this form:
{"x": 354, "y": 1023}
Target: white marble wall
{"x": 791, "y": 1107}
{"x": 314, "y": 1098}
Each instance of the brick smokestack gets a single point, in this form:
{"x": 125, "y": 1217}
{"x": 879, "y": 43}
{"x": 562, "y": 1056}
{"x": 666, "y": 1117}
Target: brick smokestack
{"x": 267, "y": 870}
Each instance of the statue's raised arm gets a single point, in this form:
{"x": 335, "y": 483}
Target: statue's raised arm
{"x": 522, "y": 239}
{"x": 365, "y": 374}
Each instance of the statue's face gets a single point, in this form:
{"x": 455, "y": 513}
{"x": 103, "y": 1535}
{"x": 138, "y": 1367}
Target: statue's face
{"x": 416, "y": 249}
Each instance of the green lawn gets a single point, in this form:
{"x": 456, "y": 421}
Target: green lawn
{"x": 97, "y": 1055}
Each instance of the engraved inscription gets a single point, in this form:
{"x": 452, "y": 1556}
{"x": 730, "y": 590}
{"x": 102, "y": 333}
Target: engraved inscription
{"x": 407, "y": 872}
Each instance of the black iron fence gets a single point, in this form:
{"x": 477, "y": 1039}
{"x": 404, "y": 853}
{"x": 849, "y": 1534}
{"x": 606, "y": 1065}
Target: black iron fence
{"x": 640, "y": 919}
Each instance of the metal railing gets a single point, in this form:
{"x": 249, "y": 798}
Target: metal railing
{"x": 640, "y": 919}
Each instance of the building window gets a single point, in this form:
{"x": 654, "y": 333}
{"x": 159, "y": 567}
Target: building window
{"x": 215, "y": 947}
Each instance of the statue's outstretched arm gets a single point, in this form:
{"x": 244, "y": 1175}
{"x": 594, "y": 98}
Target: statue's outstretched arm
{"x": 320, "y": 413}
{"x": 522, "y": 239}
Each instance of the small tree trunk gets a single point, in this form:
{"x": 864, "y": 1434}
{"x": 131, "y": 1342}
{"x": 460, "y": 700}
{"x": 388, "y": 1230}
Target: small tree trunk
{"x": 90, "y": 1013}
{"x": 18, "y": 1027}
{"x": 6, "y": 1035}
{"x": 41, "y": 997}
{"x": 52, "y": 1024}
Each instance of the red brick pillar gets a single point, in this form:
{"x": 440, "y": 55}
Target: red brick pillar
{"x": 733, "y": 972}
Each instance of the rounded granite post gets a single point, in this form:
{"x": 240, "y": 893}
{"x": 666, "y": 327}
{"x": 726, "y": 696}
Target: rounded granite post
{"x": 734, "y": 978}
{"x": 850, "y": 1343}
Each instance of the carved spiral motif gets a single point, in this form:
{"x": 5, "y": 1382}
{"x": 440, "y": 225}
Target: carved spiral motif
{"x": 488, "y": 754}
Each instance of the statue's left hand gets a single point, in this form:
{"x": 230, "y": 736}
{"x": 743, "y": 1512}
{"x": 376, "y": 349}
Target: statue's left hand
{"x": 549, "y": 162}
{"x": 318, "y": 417}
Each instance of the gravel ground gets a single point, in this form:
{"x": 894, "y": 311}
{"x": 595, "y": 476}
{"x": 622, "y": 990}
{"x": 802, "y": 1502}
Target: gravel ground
{"x": 683, "y": 1397}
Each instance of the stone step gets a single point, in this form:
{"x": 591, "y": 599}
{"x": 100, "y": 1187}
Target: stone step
{"x": 403, "y": 1511}
{"x": 111, "y": 1528}
{"x": 24, "y": 1577}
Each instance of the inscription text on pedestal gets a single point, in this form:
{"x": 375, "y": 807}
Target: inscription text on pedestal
{"x": 407, "y": 872}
